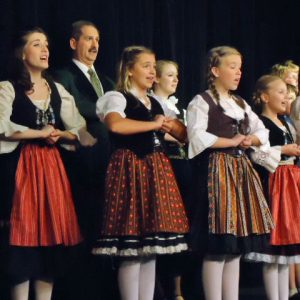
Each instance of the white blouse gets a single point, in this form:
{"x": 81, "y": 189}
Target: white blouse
{"x": 168, "y": 106}
{"x": 197, "y": 122}
{"x": 69, "y": 114}
{"x": 111, "y": 101}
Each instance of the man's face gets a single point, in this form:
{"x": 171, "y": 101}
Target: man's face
{"x": 86, "y": 47}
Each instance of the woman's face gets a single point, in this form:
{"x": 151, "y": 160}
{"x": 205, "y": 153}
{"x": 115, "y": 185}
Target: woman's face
{"x": 142, "y": 73}
{"x": 228, "y": 73}
{"x": 275, "y": 98}
{"x": 36, "y": 52}
{"x": 168, "y": 79}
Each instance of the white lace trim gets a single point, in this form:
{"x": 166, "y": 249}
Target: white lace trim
{"x": 147, "y": 250}
{"x": 155, "y": 237}
{"x": 266, "y": 156}
{"x": 268, "y": 258}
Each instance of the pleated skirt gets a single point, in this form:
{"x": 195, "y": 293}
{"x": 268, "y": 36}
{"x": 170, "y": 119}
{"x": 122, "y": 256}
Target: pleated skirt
{"x": 44, "y": 233}
{"x": 284, "y": 195}
{"x": 230, "y": 214}
{"x": 144, "y": 213}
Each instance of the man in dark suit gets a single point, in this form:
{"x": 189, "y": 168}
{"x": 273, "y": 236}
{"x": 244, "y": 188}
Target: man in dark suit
{"x": 87, "y": 166}
{"x": 81, "y": 79}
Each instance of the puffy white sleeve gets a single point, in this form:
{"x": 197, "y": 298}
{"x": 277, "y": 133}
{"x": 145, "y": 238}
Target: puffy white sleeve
{"x": 7, "y": 127}
{"x": 257, "y": 126}
{"x": 111, "y": 102}
{"x": 266, "y": 156}
{"x": 69, "y": 113}
{"x": 197, "y": 122}
{"x": 7, "y": 96}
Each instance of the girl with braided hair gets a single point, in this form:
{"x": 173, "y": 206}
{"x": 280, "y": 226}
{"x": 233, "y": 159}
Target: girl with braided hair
{"x": 230, "y": 214}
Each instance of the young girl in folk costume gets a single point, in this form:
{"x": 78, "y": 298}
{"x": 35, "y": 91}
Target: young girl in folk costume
{"x": 231, "y": 215}
{"x": 35, "y": 115}
{"x": 144, "y": 214}
{"x": 282, "y": 189}
{"x": 288, "y": 72}
{"x": 171, "y": 267}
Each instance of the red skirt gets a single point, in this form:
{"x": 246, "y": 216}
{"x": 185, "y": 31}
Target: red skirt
{"x": 284, "y": 191}
{"x": 144, "y": 212}
{"x": 142, "y": 196}
{"x": 43, "y": 212}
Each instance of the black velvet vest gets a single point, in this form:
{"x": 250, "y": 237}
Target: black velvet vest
{"x": 25, "y": 113}
{"x": 276, "y": 135}
{"x": 140, "y": 143}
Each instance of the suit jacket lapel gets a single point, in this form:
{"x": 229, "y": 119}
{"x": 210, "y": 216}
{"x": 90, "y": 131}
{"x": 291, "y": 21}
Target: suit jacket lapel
{"x": 82, "y": 83}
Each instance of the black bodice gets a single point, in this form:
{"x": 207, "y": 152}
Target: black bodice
{"x": 140, "y": 143}
{"x": 25, "y": 113}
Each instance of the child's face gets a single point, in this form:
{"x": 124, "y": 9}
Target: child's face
{"x": 291, "y": 96}
{"x": 275, "y": 98}
{"x": 228, "y": 73}
{"x": 291, "y": 78}
{"x": 168, "y": 80}
{"x": 142, "y": 73}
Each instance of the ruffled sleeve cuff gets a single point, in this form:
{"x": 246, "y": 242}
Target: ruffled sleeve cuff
{"x": 198, "y": 145}
{"x": 69, "y": 113}
{"x": 267, "y": 157}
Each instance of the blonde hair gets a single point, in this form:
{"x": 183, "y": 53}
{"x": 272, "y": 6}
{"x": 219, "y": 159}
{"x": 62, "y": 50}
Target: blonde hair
{"x": 160, "y": 64}
{"x": 280, "y": 70}
{"x": 128, "y": 59}
{"x": 214, "y": 59}
{"x": 261, "y": 86}
{"x": 291, "y": 89}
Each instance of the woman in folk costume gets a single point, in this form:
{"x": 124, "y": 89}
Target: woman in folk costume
{"x": 230, "y": 214}
{"x": 282, "y": 189}
{"x": 144, "y": 214}
{"x": 36, "y": 114}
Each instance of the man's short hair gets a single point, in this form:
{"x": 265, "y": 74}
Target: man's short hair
{"x": 77, "y": 26}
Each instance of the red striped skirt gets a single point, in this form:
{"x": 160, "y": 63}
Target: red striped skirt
{"x": 237, "y": 204}
{"x": 284, "y": 190}
{"x": 43, "y": 212}
{"x": 142, "y": 196}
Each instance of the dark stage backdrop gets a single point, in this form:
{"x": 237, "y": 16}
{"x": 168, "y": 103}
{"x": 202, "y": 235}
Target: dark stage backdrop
{"x": 183, "y": 30}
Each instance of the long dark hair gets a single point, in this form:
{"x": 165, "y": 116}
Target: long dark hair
{"x": 18, "y": 73}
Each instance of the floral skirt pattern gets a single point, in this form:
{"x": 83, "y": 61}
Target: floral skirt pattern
{"x": 144, "y": 212}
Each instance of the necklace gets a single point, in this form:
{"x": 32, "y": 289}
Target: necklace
{"x": 146, "y": 101}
